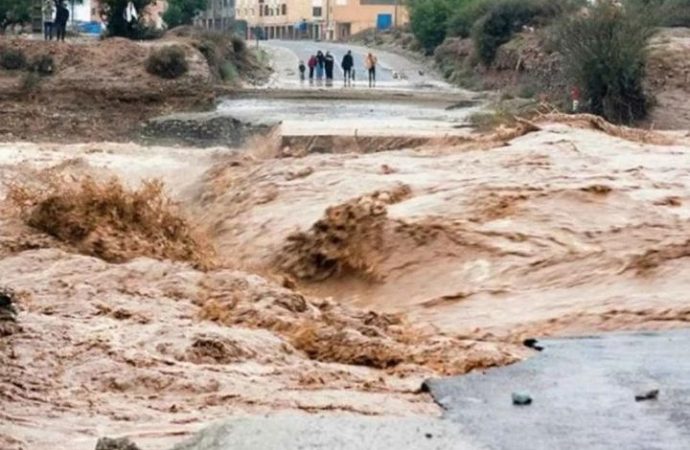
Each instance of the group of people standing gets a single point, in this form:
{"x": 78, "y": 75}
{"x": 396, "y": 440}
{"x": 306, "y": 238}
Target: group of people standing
{"x": 321, "y": 65}
{"x": 55, "y": 17}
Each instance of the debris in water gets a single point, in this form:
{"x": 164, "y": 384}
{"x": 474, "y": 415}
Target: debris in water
{"x": 651, "y": 394}
{"x": 8, "y": 313}
{"x": 532, "y": 343}
{"x": 521, "y": 399}
{"x": 106, "y": 443}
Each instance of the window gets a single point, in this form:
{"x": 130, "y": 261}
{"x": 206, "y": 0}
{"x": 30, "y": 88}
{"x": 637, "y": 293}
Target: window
{"x": 266, "y": 10}
{"x": 283, "y": 9}
{"x": 316, "y": 11}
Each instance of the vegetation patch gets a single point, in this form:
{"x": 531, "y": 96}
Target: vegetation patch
{"x": 168, "y": 62}
{"x": 604, "y": 54}
{"x": 12, "y": 59}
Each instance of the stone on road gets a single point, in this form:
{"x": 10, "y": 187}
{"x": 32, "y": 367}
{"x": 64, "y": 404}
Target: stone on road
{"x": 334, "y": 432}
{"x": 584, "y": 396}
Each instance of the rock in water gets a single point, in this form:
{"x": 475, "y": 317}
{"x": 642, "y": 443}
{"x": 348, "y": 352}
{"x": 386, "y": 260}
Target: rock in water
{"x": 651, "y": 394}
{"x": 521, "y": 399}
{"x": 106, "y": 443}
{"x": 8, "y": 314}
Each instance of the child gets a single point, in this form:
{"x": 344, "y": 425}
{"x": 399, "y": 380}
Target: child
{"x": 302, "y": 70}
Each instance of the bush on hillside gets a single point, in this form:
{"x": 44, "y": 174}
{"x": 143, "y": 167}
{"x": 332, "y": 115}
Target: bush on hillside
{"x": 43, "y": 65}
{"x": 498, "y": 25}
{"x": 167, "y": 62}
{"x": 604, "y": 54}
{"x": 433, "y": 20}
{"x": 12, "y": 59}
{"x": 676, "y": 13}
{"x": 428, "y": 21}
{"x": 239, "y": 45}
{"x": 464, "y": 16}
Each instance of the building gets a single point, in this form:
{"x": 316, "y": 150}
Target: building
{"x": 353, "y": 16}
{"x": 219, "y": 15}
{"x": 318, "y": 19}
{"x": 281, "y": 19}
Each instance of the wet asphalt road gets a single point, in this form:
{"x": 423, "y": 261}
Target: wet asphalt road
{"x": 392, "y": 71}
{"x": 304, "y": 50}
{"x": 583, "y": 393}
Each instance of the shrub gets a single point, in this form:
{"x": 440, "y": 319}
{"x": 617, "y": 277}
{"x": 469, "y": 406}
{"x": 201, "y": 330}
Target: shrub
{"x": 464, "y": 17}
{"x": 675, "y": 13}
{"x": 604, "y": 54}
{"x": 12, "y": 59}
{"x": 43, "y": 65}
{"x": 239, "y": 45}
{"x": 228, "y": 72}
{"x": 209, "y": 50}
{"x": 497, "y": 26}
{"x": 167, "y": 62}
{"x": 30, "y": 82}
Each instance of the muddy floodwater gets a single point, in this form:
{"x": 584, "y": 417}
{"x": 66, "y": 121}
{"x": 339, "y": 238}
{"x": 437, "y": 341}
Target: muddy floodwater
{"x": 352, "y": 117}
{"x": 341, "y": 278}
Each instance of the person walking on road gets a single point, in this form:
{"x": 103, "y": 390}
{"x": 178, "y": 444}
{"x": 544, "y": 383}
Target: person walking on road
{"x": 329, "y": 63}
{"x": 48, "y": 19}
{"x": 370, "y": 63}
{"x": 347, "y": 64}
{"x": 320, "y": 65}
{"x": 312, "y": 65}
{"x": 61, "y": 18}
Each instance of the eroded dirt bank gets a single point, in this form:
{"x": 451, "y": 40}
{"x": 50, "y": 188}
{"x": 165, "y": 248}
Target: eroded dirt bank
{"x": 100, "y": 90}
{"x": 342, "y": 280}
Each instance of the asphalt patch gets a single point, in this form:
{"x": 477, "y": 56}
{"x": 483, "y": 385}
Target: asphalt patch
{"x": 583, "y": 392}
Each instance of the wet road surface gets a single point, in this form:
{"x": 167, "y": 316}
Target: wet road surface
{"x": 393, "y": 71}
{"x": 583, "y": 392}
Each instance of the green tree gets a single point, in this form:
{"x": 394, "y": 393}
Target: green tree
{"x": 604, "y": 54}
{"x": 428, "y": 21}
{"x": 14, "y": 12}
{"x": 464, "y": 16}
{"x": 183, "y": 12}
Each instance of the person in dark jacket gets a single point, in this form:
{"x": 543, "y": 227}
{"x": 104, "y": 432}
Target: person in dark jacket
{"x": 329, "y": 62}
{"x": 320, "y": 65}
{"x": 347, "y": 64}
{"x": 61, "y": 18}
